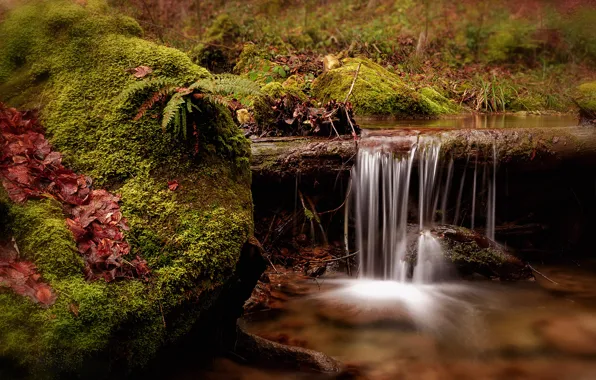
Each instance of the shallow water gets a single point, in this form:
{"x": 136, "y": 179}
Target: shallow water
{"x": 461, "y": 330}
{"x": 476, "y": 122}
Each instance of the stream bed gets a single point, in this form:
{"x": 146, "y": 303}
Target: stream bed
{"x": 543, "y": 329}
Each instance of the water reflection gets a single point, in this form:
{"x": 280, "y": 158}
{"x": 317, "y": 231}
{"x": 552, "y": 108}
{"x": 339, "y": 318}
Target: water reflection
{"x": 477, "y": 121}
{"x": 461, "y": 330}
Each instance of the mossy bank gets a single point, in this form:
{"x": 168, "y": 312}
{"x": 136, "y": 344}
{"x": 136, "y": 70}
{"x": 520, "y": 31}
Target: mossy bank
{"x": 73, "y": 61}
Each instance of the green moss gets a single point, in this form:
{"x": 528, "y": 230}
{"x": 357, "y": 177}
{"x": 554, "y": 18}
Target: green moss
{"x": 76, "y": 61}
{"x": 586, "y": 96}
{"x": 45, "y": 239}
{"x": 218, "y": 50}
{"x": 437, "y": 103}
{"x": 511, "y": 41}
{"x": 276, "y": 90}
{"x": 377, "y": 91}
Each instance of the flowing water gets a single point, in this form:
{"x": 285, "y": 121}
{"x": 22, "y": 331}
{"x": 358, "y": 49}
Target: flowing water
{"x": 461, "y": 330}
{"x": 382, "y": 200}
{"x": 395, "y": 320}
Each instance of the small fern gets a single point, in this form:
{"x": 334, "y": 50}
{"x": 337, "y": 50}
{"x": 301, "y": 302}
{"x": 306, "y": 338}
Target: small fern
{"x": 171, "y": 112}
{"x": 227, "y": 85}
{"x": 217, "y": 90}
{"x": 143, "y": 86}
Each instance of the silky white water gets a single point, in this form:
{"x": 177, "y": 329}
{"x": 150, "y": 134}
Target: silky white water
{"x": 383, "y": 198}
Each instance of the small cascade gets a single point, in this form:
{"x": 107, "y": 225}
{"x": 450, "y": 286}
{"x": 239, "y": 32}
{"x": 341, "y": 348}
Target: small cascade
{"x": 381, "y": 185}
{"x": 492, "y": 199}
{"x": 381, "y": 181}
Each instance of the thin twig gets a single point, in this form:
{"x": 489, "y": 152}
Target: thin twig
{"x": 333, "y": 126}
{"x": 269, "y": 231}
{"x": 342, "y": 204}
{"x": 334, "y": 259}
{"x": 346, "y": 100}
{"x": 533, "y": 269}
{"x": 317, "y": 219}
{"x": 353, "y": 83}
{"x": 272, "y": 266}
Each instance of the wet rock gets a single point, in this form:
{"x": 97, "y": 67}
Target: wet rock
{"x": 260, "y": 351}
{"x": 476, "y": 255}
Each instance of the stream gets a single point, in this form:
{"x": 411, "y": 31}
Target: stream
{"x": 423, "y": 327}
{"x": 456, "y": 330}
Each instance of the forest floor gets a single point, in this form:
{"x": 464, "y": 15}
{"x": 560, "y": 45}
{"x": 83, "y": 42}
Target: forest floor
{"x": 515, "y": 56}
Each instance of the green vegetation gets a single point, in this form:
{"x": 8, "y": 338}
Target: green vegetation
{"x": 482, "y": 55}
{"x": 77, "y": 60}
{"x": 378, "y": 91}
{"x": 586, "y": 96}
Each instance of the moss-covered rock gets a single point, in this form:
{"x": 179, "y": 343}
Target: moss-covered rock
{"x": 586, "y": 100}
{"x": 256, "y": 64}
{"x": 75, "y": 60}
{"x": 378, "y": 91}
{"x": 220, "y": 46}
{"x": 471, "y": 252}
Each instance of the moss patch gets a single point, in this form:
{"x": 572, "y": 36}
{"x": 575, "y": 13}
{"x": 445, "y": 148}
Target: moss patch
{"x": 76, "y": 60}
{"x": 586, "y": 96}
{"x": 378, "y": 91}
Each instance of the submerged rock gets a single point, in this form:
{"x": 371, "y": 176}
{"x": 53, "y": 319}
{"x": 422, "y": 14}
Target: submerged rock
{"x": 92, "y": 73}
{"x": 378, "y": 91}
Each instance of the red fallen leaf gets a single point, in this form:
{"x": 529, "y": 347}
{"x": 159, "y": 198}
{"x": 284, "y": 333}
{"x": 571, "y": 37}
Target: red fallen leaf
{"x": 19, "y": 159}
{"x": 74, "y": 309}
{"x": 54, "y": 158}
{"x": 533, "y": 154}
{"x": 22, "y": 277}
{"x": 19, "y": 174}
{"x": 141, "y": 71}
{"x": 44, "y": 294}
{"x": 29, "y": 168}
{"x": 76, "y": 228}
{"x": 173, "y": 185}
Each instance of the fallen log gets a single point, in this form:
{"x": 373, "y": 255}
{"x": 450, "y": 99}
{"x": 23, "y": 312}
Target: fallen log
{"x": 533, "y": 148}
{"x": 284, "y": 156}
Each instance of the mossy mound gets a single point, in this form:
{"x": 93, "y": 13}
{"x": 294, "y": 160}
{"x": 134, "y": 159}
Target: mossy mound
{"x": 75, "y": 60}
{"x": 220, "y": 46}
{"x": 586, "y": 100}
{"x": 378, "y": 91}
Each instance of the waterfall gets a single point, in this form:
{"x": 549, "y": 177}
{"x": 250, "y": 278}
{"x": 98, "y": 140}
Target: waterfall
{"x": 381, "y": 186}
{"x": 381, "y": 181}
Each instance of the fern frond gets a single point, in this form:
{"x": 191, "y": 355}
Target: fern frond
{"x": 216, "y": 99}
{"x": 171, "y": 110}
{"x": 227, "y": 84}
{"x": 157, "y": 96}
{"x": 138, "y": 87}
{"x": 203, "y": 85}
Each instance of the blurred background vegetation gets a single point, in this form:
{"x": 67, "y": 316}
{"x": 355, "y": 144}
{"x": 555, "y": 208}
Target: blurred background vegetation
{"x": 508, "y": 55}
